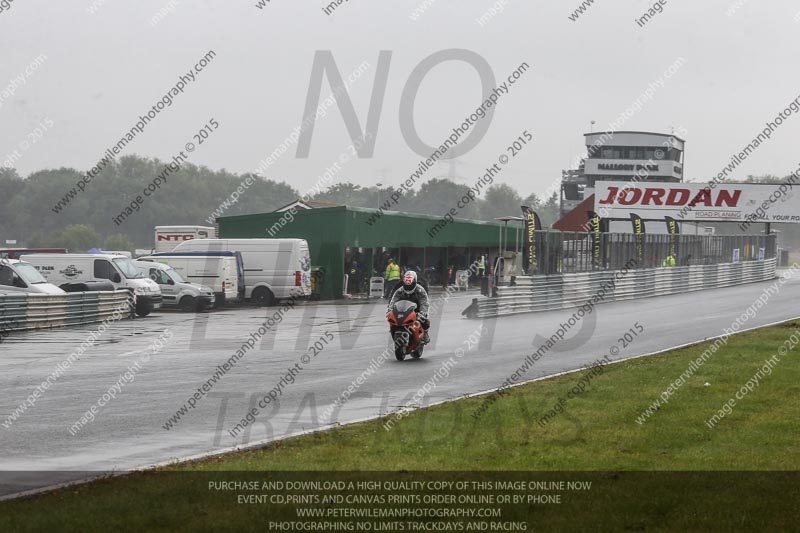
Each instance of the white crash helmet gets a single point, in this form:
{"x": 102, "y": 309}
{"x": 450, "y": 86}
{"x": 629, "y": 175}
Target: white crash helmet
{"x": 410, "y": 282}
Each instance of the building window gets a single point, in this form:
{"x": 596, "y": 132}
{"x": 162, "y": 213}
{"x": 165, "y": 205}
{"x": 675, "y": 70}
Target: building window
{"x": 634, "y": 153}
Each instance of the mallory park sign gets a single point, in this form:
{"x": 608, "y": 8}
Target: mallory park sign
{"x": 732, "y": 202}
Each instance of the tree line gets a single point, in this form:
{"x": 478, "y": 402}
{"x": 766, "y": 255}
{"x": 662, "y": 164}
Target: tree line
{"x": 192, "y": 194}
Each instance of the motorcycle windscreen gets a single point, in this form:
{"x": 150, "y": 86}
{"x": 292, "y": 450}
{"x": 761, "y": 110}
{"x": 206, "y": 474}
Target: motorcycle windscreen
{"x": 404, "y": 307}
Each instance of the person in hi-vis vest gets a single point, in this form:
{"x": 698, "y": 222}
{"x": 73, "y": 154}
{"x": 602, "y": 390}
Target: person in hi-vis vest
{"x": 391, "y": 277}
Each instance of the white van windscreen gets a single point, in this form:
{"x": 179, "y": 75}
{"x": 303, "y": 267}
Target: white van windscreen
{"x": 30, "y": 274}
{"x": 127, "y": 268}
{"x": 177, "y": 278}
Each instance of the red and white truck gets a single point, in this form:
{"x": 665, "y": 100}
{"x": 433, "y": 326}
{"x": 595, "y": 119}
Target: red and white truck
{"x": 168, "y": 237}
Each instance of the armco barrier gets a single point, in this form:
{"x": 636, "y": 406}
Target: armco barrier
{"x": 20, "y": 312}
{"x": 548, "y": 293}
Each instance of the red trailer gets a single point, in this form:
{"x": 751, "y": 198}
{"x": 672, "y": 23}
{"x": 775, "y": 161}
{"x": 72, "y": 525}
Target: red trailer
{"x": 16, "y": 253}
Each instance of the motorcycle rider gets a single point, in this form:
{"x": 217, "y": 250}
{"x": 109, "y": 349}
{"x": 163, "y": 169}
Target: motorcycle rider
{"x": 413, "y": 292}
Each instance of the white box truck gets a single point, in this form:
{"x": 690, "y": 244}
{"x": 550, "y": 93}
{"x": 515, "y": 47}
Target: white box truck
{"x": 274, "y": 269}
{"x": 168, "y": 237}
{"x": 176, "y": 291}
{"x": 222, "y": 271}
{"x": 119, "y": 270}
{"x": 21, "y": 277}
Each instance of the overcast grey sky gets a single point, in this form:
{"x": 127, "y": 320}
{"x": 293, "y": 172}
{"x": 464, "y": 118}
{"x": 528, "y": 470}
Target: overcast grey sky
{"x": 104, "y": 69}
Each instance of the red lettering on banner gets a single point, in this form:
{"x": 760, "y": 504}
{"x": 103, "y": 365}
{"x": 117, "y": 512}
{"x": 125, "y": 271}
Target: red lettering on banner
{"x": 672, "y": 197}
{"x": 704, "y": 197}
{"x": 612, "y": 192}
{"x": 653, "y": 197}
{"x": 730, "y": 198}
{"x": 625, "y": 198}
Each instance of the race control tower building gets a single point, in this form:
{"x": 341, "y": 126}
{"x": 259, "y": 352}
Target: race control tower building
{"x": 626, "y": 156}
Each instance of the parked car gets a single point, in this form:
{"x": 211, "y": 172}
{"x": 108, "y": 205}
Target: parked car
{"x": 176, "y": 291}
{"x": 21, "y": 277}
{"x": 274, "y": 269}
{"x": 120, "y": 271}
{"x": 221, "y": 271}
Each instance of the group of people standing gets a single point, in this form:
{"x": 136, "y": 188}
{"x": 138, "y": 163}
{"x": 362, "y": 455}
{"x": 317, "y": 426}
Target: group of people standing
{"x": 358, "y": 275}
{"x": 392, "y": 272}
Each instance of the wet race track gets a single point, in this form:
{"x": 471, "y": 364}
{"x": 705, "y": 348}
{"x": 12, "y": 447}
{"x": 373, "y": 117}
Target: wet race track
{"x": 151, "y": 384}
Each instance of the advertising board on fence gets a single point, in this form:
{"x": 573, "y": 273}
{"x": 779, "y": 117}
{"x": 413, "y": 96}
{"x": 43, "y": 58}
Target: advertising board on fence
{"x": 732, "y": 202}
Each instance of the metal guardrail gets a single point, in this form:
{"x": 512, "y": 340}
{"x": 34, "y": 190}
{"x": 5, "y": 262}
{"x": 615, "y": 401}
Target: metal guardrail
{"x": 562, "y": 291}
{"x": 19, "y": 312}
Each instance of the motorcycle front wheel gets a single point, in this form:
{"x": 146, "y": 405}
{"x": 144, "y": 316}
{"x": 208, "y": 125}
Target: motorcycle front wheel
{"x": 400, "y": 345}
{"x": 416, "y": 354}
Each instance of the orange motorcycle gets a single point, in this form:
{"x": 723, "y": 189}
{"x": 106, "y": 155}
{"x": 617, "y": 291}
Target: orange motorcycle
{"x": 406, "y": 330}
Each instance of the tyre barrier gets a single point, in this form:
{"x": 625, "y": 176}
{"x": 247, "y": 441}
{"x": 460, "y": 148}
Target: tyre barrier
{"x": 562, "y": 291}
{"x": 20, "y": 312}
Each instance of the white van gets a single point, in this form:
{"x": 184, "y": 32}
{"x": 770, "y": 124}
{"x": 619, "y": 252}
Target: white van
{"x": 274, "y": 269}
{"x": 175, "y": 290}
{"x": 117, "y": 252}
{"x": 222, "y": 271}
{"x": 119, "y": 270}
{"x": 21, "y": 277}
{"x": 167, "y": 237}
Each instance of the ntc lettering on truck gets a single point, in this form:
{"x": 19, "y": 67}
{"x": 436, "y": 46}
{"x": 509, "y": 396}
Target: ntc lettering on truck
{"x": 119, "y": 270}
{"x": 274, "y": 269}
{"x": 167, "y": 237}
{"x": 175, "y": 290}
{"x": 222, "y": 271}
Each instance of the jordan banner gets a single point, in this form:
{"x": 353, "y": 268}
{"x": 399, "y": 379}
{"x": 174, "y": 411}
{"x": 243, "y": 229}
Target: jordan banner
{"x": 530, "y": 259}
{"x": 747, "y": 203}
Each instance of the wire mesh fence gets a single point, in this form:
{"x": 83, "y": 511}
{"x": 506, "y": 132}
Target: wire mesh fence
{"x": 567, "y": 252}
